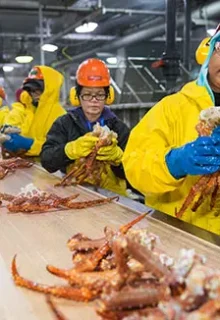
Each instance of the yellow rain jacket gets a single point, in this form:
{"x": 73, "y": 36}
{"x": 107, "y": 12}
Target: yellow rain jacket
{"x": 35, "y": 122}
{"x": 3, "y": 114}
{"x": 169, "y": 124}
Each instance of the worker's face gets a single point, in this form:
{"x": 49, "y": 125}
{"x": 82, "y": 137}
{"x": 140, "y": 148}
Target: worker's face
{"x": 214, "y": 69}
{"x": 92, "y": 100}
{"x": 35, "y": 94}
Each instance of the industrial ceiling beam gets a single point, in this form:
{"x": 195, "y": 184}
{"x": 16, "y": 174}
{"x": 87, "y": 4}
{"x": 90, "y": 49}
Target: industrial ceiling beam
{"x": 157, "y": 29}
{"x": 72, "y": 36}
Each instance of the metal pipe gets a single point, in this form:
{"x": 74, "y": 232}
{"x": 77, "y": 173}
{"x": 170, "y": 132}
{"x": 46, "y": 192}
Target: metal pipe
{"x": 187, "y": 32}
{"x": 132, "y": 11}
{"x": 158, "y": 29}
{"x": 123, "y": 106}
{"x": 41, "y": 29}
{"x": 73, "y": 36}
{"x": 34, "y": 5}
{"x": 170, "y": 26}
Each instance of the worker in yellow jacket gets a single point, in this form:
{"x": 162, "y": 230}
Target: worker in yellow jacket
{"x": 164, "y": 155}
{"x": 38, "y": 107}
{"x": 3, "y": 109}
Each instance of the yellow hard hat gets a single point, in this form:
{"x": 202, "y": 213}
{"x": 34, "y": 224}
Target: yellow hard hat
{"x": 203, "y": 50}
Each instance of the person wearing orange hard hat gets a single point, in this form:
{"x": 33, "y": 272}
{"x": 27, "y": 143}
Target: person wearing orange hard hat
{"x": 164, "y": 156}
{"x": 3, "y": 108}
{"x": 68, "y": 139}
{"x": 35, "y": 111}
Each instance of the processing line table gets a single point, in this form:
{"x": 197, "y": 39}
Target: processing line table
{"x": 40, "y": 239}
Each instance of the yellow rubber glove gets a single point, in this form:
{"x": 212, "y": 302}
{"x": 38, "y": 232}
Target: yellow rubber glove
{"x": 81, "y": 147}
{"x": 111, "y": 153}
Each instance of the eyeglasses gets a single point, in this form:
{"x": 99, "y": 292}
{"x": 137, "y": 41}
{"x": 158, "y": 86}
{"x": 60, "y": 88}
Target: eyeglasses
{"x": 89, "y": 97}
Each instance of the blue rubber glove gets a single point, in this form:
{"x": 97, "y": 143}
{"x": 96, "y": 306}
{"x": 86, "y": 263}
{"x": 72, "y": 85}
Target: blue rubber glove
{"x": 199, "y": 157}
{"x": 17, "y": 142}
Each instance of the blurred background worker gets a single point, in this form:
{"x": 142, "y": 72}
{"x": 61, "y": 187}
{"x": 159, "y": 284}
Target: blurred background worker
{"x": 3, "y": 108}
{"x": 68, "y": 140}
{"x": 35, "y": 111}
{"x": 164, "y": 155}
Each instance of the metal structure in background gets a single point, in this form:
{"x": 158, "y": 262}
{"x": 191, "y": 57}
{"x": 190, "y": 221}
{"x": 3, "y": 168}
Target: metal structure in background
{"x": 171, "y": 58}
{"x": 138, "y": 87}
{"x": 187, "y": 33}
{"x": 141, "y": 89}
{"x": 41, "y": 29}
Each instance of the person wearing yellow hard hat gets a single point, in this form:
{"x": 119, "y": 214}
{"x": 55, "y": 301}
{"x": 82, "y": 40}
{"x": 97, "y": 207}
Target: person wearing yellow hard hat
{"x": 164, "y": 156}
{"x": 68, "y": 138}
{"x": 3, "y": 108}
{"x": 35, "y": 111}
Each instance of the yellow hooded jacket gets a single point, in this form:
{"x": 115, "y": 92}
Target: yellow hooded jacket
{"x": 36, "y": 122}
{"x": 3, "y": 114}
{"x": 169, "y": 124}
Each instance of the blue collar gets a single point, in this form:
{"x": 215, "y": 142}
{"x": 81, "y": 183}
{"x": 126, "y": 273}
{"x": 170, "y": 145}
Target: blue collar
{"x": 90, "y": 125}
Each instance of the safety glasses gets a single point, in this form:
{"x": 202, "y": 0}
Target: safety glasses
{"x": 89, "y": 97}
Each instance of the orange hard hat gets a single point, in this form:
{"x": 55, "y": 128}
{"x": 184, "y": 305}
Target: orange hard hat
{"x": 93, "y": 73}
{"x": 34, "y": 74}
{"x": 2, "y": 93}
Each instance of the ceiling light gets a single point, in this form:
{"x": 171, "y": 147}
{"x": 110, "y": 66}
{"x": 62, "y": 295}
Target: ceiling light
{"x": 24, "y": 59}
{"x": 112, "y": 60}
{"x": 211, "y": 32}
{"x": 49, "y": 47}
{"x": 87, "y": 27}
{"x": 8, "y": 68}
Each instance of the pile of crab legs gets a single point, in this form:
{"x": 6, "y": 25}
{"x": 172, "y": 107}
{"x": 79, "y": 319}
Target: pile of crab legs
{"x": 131, "y": 278}
{"x": 40, "y": 202}
{"x": 89, "y": 167}
{"x": 207, "y": 185}
{"x": 10, "y": 165}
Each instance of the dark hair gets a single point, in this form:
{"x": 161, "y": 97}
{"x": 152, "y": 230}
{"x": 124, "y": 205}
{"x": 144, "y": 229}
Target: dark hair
{"x": 79, "y": 89}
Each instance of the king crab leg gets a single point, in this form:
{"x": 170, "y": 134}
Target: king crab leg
{"x": 57, "y": 313}
{"x": 198, "y": 187}
{"x": 208, "y": 189}
{"x": 67, "y": 292}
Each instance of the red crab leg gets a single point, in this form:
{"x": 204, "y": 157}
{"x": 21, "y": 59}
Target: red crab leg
{"x": 198, "y": 187}
{"x": 90, "y": 203}
{"x": 97, "y": 256}
{"x": 208, "y": 190}
{"x": 57, "y": 313}
{"x": 82, "y": 294}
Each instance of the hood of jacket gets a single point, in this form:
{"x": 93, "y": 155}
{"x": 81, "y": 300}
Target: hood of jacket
{"x": 53, "y": 81}
{"x": 203, "y": 75}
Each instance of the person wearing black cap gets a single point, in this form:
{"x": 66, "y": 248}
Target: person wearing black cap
{"x": 35, "y": 111}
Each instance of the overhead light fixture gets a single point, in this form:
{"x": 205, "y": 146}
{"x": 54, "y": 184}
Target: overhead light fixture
{"x": 23, "y": 58}
{"x": 211, "y": 32}
{"x": 8, "y": 68}
{"x": 86, "y": 27}
{"x": 49, "y": 47}
{"x": 112, "y": 60}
